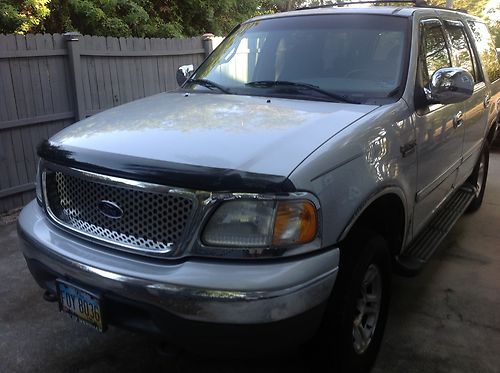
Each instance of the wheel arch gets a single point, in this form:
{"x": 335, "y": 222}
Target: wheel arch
{"x": 492, "y": 132}
{"x": 384, "y": 213}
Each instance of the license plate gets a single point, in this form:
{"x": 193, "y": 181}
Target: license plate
{"x": 80, "y": 304}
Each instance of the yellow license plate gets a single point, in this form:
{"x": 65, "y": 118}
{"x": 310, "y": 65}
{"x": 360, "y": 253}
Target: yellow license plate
{"x": 80, "y": 304}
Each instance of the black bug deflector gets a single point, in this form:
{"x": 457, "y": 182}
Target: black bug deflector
{"x": 161, "y": 172}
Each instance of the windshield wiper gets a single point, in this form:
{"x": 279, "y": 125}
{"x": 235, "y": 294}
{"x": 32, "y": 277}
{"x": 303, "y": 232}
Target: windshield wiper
{"x": 298, "y": 86}
{"x": 209, "y": 84}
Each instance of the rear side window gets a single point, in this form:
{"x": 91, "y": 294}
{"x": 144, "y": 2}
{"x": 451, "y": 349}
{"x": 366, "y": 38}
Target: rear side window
{"x": 434, "y": 53}
{"x": 461, "y": 48}
{"x": 486, "y": 49}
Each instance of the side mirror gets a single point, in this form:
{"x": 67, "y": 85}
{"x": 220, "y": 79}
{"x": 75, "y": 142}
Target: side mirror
{"x": 450, "y": 85}
{"x": 183, "y": 73}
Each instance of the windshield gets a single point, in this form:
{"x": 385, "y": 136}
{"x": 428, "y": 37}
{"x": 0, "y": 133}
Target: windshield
{"x": 352, "y": 58}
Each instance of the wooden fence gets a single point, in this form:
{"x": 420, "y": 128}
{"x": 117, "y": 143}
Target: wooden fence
{"x": 50, "y": 81}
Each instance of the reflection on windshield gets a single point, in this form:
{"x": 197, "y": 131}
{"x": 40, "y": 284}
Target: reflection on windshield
{"x": 360, "y": 57}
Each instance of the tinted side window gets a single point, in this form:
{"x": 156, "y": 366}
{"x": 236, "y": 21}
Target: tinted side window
{"x": 434, "y": 53}
{"x": 486, "y": 49}
{"x": 461, "y": 49}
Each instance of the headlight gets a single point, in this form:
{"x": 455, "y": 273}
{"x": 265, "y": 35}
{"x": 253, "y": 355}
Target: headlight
{"x": 38, "y": 185}
{"x": 262, "y": 224}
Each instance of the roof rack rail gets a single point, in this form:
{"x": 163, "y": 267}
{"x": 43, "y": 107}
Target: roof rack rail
{"x": 416, "y": 3}
{"x": 340, "y": 3}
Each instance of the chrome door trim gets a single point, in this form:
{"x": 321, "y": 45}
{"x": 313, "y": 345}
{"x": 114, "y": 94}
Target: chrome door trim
{"x": 425, "y": 191}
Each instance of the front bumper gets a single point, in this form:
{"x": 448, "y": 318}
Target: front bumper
{"x": 216, "y": 292}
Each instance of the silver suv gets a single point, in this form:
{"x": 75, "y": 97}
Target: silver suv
{"x": 267, "y": 201}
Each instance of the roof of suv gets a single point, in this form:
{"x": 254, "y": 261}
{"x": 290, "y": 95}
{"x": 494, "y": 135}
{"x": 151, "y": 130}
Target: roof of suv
{"x": 380, "y": 10}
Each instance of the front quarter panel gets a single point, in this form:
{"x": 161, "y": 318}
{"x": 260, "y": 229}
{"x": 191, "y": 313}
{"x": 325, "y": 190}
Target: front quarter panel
{"x": 359, "y": 164}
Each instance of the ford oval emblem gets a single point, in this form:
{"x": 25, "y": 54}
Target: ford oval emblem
{"x": 110, "y": 209}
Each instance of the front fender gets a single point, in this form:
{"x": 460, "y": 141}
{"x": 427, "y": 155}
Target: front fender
{"x": 360, "y": 164}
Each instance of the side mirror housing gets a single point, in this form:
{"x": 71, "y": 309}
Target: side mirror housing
{"x": 450, "y": 85}
{"x": 183, "y": 74}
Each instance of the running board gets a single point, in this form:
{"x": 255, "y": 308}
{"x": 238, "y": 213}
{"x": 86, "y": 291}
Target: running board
{"x": 426, "y": 243}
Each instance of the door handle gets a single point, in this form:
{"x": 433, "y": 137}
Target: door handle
{"x": 486, "y": 101}
{"x": 458, "y": 119}
{"x": 408, "y": 148}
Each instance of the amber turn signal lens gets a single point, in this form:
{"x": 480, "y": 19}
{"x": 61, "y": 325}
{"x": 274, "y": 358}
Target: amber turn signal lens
{"x": 295, "y": 223}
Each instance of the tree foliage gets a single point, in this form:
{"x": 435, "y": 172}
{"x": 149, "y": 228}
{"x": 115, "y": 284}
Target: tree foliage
{"x": 112, "y": 18}
{"x": 22, "y": 16}
{"x": 156, "y": 18}
{"x": 161, "y": 18}
{"x": 475, "y": 7}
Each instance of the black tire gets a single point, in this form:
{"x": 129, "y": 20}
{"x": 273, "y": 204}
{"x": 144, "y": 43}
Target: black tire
{"x": 337, "y": 339}
{"x": 478, "y": 178}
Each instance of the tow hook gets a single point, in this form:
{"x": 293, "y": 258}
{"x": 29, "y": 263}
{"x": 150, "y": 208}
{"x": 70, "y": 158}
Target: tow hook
{"x": 49, "y": 297}
{"x": 167, "y": 350}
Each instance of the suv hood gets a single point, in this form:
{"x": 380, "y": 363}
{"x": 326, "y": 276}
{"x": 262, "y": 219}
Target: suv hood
{"x": 249, "y": 134}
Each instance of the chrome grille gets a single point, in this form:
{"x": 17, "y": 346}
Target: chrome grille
{"x": 151, "y": 221}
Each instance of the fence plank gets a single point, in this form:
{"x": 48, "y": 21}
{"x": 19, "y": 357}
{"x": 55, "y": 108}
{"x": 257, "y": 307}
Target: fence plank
{"x": 86, "y": 77}
{"x": 8, "y": 110}
{"x": 154, "y": 66}
{"x": 92, "y": 76}
{"x": 101, "y": 88}
{"x": 43, "y": 68}
{"x": 149, "y": 81}
{"x": 59, "y": 79}
{"x": 36, "y": 133}
{"x": 25, "y": 153}
{"x": 174, "y": 60}
{"x": 8, "y": 173}
{"x": 17, "y": 79}
{"x": 166, "y": 68}
{"x": 48, "y": 44}
{"x": 13, "y": 141}
{"x": 134, "y": 72}
{"x": 34, "y": 74}
{"x": 72, "y": 40}
{"x": 124, "y": 74}
{"x": 18, "y": 150}
{"x": 160, "y": 81}
{"x": 106, "y": 74}
{"x": 87, "y": 93}
{"x": 61, "y": 76}
{"x": 112, "y": 44}
{"x": 23, "y": 145}
{"x": 140, "y": 45}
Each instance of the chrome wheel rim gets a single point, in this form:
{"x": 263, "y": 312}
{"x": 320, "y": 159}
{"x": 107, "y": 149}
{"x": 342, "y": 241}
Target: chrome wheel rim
{"x": 367, "y": 309}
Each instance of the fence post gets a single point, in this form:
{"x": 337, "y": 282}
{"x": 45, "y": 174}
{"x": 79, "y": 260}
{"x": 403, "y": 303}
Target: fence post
{"x": 73, "y": 45}
{"x": 208, "y": 44}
